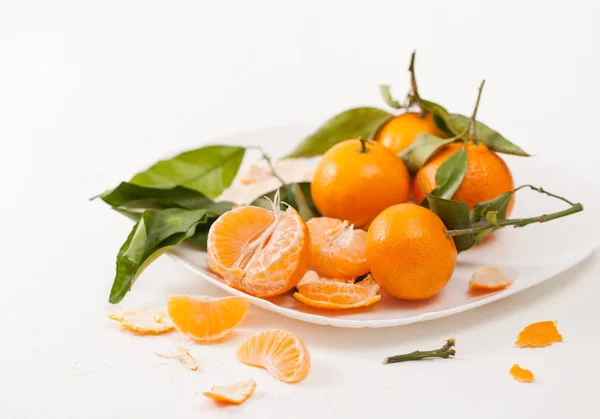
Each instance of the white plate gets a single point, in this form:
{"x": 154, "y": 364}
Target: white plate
{"x": 529, "y": 255}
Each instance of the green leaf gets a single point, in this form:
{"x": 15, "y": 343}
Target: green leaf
{"x": 208, "y": 170}
{"x": 154, "y": 233}
{"x": 455, "y": 216}
{"x": 450, "y": 174}
{"x": 441, "y": 116}
{"x": 387, "y": 97}
{"x": 492, "y": 218}
{"x": 353, "y": 123}
{"x": 296, "y": 195}
{"x": 417, "y": 154}
{"x": 497, "y": 206}
{"x": 488, "y": 136}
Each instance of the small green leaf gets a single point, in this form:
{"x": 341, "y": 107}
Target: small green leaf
{"x": 208, "y": 170}
{"x": 455, "y": 216}
{"x": 417, "y": 154}
{"x": 497, "y": 206}
{"x": 441, "y": 116}
{"x": 492, "y": 218}
{"x": 450, "y": 174}
{"x": 152, "y": 235}
{"x": 296, "y": 195}
{"x": 387, "y": 97}
{"x": 488, "y": 136}
{"x": 353, "y": 123}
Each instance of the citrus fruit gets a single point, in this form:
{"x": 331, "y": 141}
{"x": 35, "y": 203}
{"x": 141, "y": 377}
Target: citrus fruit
{"x": 521, "y": 374}
{"x": 236, "y": 393}
{"x": 356, "y": 180}
{"x": 280, "y": 352}
{"x": 338, "y": 250}
{"x": 206, "y": 319}
{"x": 144, "y": 321}
{"x": 489, "y": 279}
{"x": 402, "y": 130}
{"x": 336, "y": 294}
{"x": 261, "y": 252}
{"x": 539, "y": 334}
{"x": 409, "y": 253}
{"x": 487, "y": 175}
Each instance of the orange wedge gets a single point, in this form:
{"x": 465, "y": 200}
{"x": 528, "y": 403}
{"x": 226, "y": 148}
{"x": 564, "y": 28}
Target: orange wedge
{"x": 261, "y": 252}
{"x": 521, "y": 374}
{"x": 489, "y": 279}
{"x": 336, "y": 294}
{"x": 236, "y": 393}
{"x": 338, "y": 250}
{"x": 206, "y": 319}
{"x": 144, "y": 321}
{"x": 539, "y": 334}
{"x": 280, "y": 352}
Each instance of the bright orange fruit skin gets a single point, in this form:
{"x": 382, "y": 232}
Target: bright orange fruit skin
{"x": 408, "y": 253}
{"x": 352, "y": 185}
{"x": 487, "y": 176}
{"x": 402, "y": 130}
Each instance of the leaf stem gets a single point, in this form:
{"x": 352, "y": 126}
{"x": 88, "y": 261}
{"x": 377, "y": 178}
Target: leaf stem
{"x": 521, "y": 222}
{"x": 269, "y": 161}
{"x": 445, "y": 351}
{"x": 413, "y": 82}
{"x": 473, "y": 125}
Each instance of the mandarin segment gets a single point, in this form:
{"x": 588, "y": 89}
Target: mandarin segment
{"x": 521, "y": 374}
{"x": 489, "y": 279}
{"x": 236, "y": 393}
{"x": 539, "y": 334}
{"x": 338, "y": 250}
{"x": 278, "y": 351}
{"x": 336, "y": 294}
{"x": 206, "y": 319}
{"x": 263, "y": 253}
{"x": 144, "y": 321}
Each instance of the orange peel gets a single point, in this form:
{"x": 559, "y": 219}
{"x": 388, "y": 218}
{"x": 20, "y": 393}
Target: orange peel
{"x": 539, "y": 334}
{"x": 336, "y": 294}
{"x": 236, "y": 393}
{"x": 144, "y": 321}
{"x": 489, "y": 279}
{"x": 521, "y": 374}
{"x": 182, "y": 354}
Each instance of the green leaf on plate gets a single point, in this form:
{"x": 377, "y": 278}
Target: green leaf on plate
{"x": 154, "y": 233}
{"x": 208, "y": 170}
{"x": 496, "y": 206}
{"x": 297, "y": 195}
{"x": 455, "y": 216}
{"x": 358, "y": 122}
{"x": 417, "y": 154}
{"x": 488, "y": 136}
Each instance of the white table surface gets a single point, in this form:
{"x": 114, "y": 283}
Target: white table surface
{"x": 90, "y": 92}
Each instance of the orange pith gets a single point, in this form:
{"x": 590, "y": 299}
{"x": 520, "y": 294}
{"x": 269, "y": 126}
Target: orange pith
{"x": 336, "y": 294}
{"x": 402, "y": 130}
{"x": 408, "y": 252}
{"x": 280, "y": 352}
{"x": 521, "y": 374}
{"x": 236, "y": 393}
{"x": 261, "y": 252}
{"x": 338, "y": 250}
{"x": 206, "y": 319}
{"x": 355, "y": 183}
{"x": 144, "y": 321}
{"x": 487, "y": 175}
{"x": 539, "y": 334}
{"x": 489, "y": 279}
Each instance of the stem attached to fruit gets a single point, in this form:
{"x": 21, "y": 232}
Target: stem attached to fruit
{"x": 473, "y": 125}
{"x": 521, "y": 222}
{"x": 363, "y": 145}
{"x": 445, "y": 351}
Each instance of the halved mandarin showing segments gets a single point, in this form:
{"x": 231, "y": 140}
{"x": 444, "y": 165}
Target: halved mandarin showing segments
{"x": 236, "y": 393}
{"x": 336, "y": 294}
{"x": 144, "y": 321}
{"x": 539, "y": 334}
{"x": 338, "y": 250}
{"x": 261, "y": 252}
{"x": 489, "y": 279}
{"x": 206, "y": 319}
{"x": 278, "y": 351}
{"x": 521, "y": 374}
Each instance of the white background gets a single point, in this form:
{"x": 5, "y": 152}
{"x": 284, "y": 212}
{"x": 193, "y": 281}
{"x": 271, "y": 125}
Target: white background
{"x": 91, "y": 92}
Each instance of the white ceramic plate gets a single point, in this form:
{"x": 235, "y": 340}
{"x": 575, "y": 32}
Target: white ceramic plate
{"x": 529, "y": 255}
